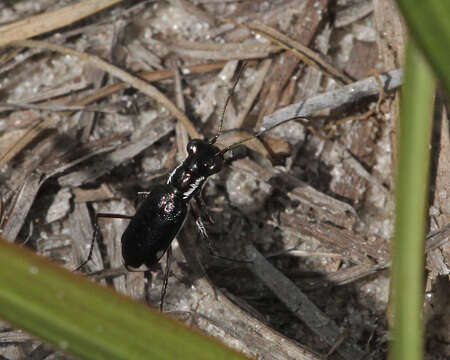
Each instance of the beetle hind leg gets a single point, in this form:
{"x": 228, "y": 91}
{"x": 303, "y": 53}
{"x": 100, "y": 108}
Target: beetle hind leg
{"x": 96, "y": 231}
{"x": 166, "y": 278}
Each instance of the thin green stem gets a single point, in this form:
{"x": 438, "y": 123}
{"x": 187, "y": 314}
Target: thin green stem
{"x": 411, "y": 206}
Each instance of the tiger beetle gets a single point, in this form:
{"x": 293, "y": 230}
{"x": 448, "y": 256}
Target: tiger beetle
{"x": 164, "y": 208}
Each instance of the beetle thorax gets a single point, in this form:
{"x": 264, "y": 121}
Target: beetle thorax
{"x": 203, "y": 161}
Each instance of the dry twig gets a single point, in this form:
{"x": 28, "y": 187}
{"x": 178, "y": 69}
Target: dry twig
{"x": 53, "y": 20}
{"x": 298, "y": 303}
{"x": 335, "y": 98}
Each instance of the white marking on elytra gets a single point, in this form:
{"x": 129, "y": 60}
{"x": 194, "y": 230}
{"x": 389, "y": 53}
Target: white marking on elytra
{"x": 193, "y": 187}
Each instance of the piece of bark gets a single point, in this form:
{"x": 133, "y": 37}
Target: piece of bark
{"x": 363, "y": 59}
{"x": 298, "y": 303}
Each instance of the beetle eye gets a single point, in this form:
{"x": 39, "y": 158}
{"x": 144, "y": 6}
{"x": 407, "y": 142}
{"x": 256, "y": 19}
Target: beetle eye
{"x": 192, "y": 146}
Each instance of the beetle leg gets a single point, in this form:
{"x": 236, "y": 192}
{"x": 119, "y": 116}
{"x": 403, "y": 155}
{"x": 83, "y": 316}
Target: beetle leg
{"x": 202, "y": 230}
{"x": 96, "y": 230}
{"x": 199, "y": 223}
{"x": 203, "y": 208}
{"x": 166, "y": 278}
{"x": 142, "y": 195}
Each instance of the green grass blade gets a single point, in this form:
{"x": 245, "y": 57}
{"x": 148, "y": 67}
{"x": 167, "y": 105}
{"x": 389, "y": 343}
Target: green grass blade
{"x": 429, "y": 23}
{"x": 411, "y": 194}
{"x": 89, "y": 320}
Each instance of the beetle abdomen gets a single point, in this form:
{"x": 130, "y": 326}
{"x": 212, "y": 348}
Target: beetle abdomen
{"x": 155, "y": 224}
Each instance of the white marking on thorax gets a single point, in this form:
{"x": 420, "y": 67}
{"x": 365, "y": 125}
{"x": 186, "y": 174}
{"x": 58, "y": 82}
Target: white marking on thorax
{"x": 194, "y": 186}
{"x": 169, "y": 179}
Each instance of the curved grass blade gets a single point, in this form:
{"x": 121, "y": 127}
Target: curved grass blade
{"x": 89, "y": 320}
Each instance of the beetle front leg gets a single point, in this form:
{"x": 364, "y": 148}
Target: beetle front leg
{"x": 203, "y": 209}
{"x": 199, "y": 223}
{"x": 202, "y": 230}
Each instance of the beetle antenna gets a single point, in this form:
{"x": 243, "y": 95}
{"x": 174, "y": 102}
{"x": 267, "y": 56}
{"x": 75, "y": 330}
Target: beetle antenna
{"x": 219, "y": 132}
{"x": 259, "y": 133}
